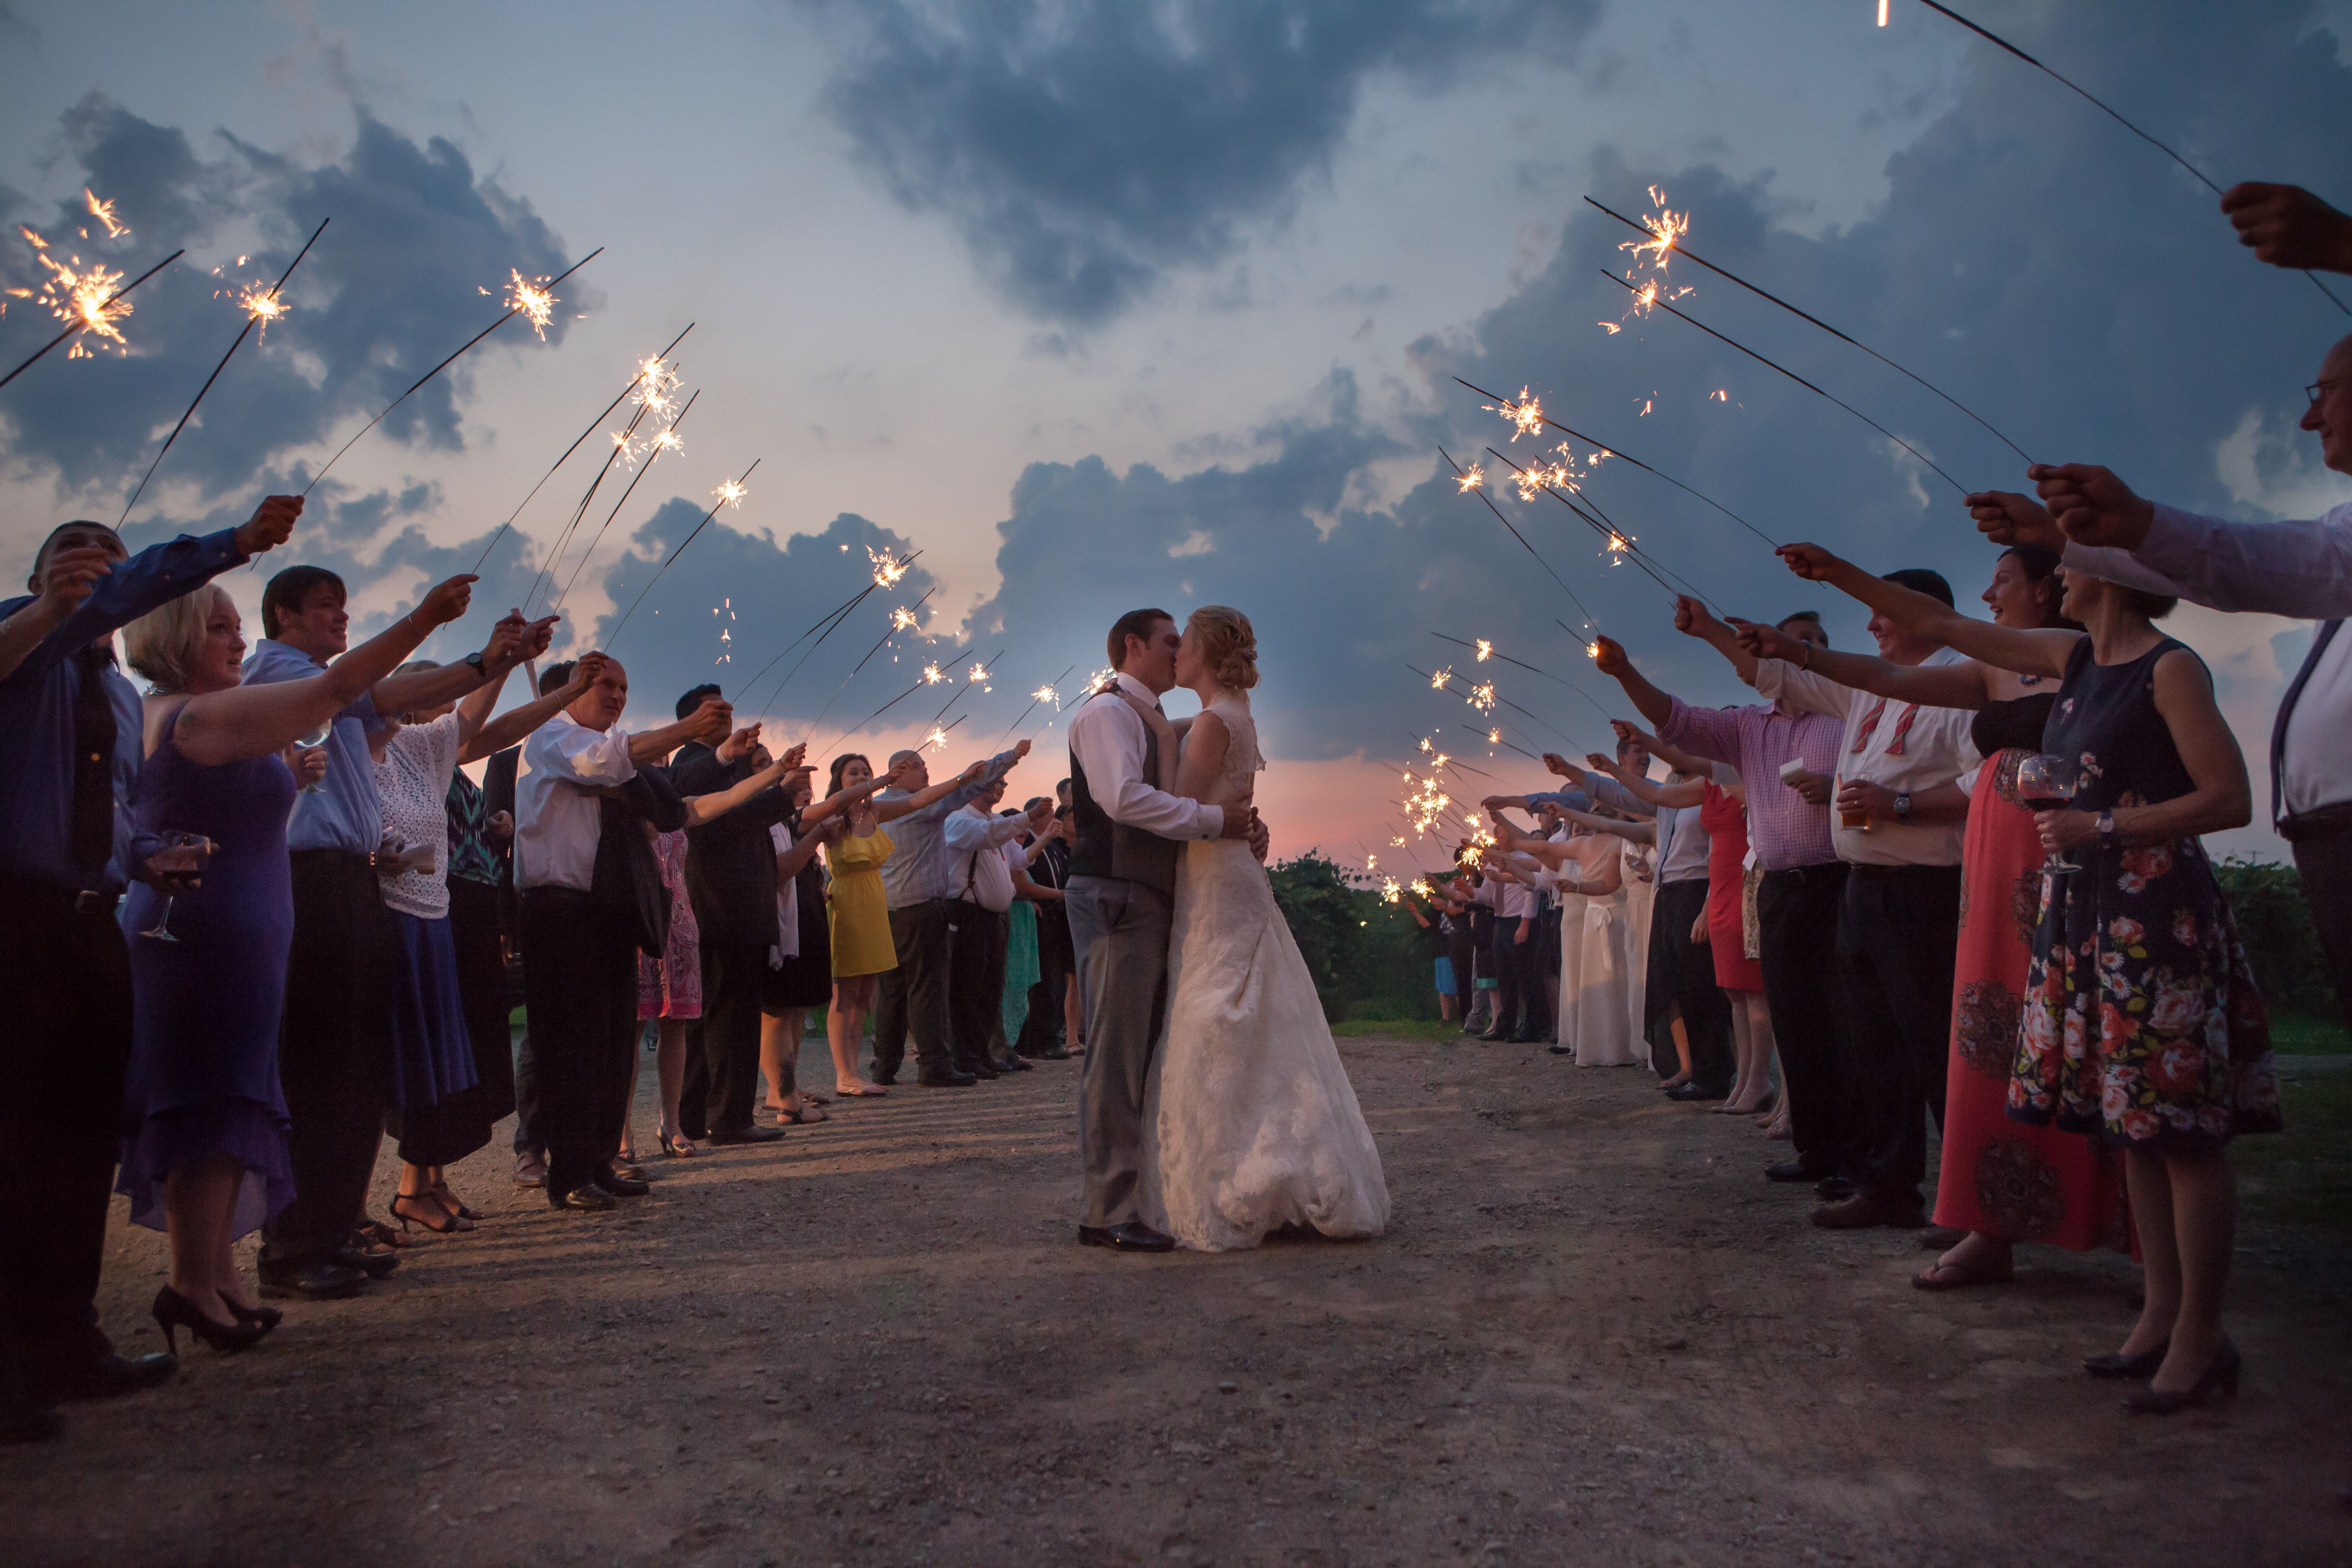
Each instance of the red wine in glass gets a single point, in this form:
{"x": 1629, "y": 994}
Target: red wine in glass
{"x": 2046, "y": 782}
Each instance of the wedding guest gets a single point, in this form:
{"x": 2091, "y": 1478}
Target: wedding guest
{"x": 1045, "y": 1029}
{"x": 982, "y": 899}
{"x": 2001, "y": 1182}
{"x": 70, "y": 754}
{"x": 205, "y": 1158}
{"x": 1436, "y": 942}
{"x": 499, "y": 799}
{"x": 917, "y": 881}
{"x": 800, "y": 969}
{"x": 1023, "y": 952}
{"x": 2135, "y": 955}
{"x": 335, "y": 1045}
{"x": 1518, "y": 991}
{"x": 669, "y": 993}
{"x": 581, "y": 933}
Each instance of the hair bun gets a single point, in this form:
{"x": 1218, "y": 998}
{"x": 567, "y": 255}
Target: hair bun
{"x": 1228, "y": 644}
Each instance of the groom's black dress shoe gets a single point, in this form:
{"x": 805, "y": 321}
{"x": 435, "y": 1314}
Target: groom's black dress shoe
{"x": 945, "y": 1078}
{"x": 1133, "y": 1236}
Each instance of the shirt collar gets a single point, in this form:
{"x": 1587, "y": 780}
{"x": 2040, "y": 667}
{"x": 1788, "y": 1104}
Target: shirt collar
{"x": 1127, "y": 682}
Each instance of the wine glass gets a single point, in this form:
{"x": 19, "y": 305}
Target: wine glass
{"x": 317, "y": 737}
{"x": 171, "y": 840}
{"x": 2046, "y": 782}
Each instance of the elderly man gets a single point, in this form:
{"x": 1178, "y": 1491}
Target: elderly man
{"x": 71, "y": 748}
{"x": 2298, "y": 568}
{"x": 981, "y": 925}
{"x": 919, "y": 881}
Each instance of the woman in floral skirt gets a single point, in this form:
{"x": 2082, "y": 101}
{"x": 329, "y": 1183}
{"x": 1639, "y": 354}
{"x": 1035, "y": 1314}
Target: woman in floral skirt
{"x": 2141, "y": 1022}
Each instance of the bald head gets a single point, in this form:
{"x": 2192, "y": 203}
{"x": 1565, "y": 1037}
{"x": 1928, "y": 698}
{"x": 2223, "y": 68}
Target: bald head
{"x": 2330, "y": 413}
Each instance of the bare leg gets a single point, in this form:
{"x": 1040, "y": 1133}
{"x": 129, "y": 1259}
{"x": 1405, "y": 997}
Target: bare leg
{"x": 1445, "y": 1006}
{"x": 1740, "y": 1049}
{"x": 2150, "y": 1186}
{"x": 1073, "y": 1018}
{"x": 227, "y": 1281}
{"x": 2204, "y": 1226}
{"x": 1754, "y": 1019}
{"x": 669, "y": 1072}
{"x": 628, "y": 1148}
{"x": 1778, "y": 1125}
{"x": 844, "y": 1031}
{"x": 197, "y": 1207}
{"x": 1681, "y": 1051}
{"x": 779, "y": 1049}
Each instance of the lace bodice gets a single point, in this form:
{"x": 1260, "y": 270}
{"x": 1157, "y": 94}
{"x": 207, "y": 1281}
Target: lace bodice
{"x": 1242, "y": 762}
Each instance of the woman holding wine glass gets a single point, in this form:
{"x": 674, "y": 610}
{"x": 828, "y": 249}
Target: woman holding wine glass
{"x": 2141, "y": 1023}
{"x": 1999, "y": 1182}
{"x": 204, "y": 1156}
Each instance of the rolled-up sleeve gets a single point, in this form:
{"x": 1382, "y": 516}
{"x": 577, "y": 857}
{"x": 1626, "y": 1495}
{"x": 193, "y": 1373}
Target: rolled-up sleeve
{"x": 590, "y": 758}
{"x": 1778, "y": 681}
{"x": 1110, "y": 757}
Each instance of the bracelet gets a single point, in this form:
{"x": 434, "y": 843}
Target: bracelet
{"x": 1807, "y": 661}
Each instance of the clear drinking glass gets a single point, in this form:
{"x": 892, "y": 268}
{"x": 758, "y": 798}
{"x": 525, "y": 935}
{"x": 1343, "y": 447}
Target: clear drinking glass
{"x": 174, "y": 840}
{"x": 2046, "y": 782}
{"x": 317, "y": 737}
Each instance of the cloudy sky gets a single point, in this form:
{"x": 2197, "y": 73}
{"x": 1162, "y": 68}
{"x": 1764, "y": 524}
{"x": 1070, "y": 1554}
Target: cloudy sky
{"x": 1109, "y": 304}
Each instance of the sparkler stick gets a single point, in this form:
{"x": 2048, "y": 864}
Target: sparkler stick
{"x": 1683, "y": 251}
{"x": 1038, "y": 696}
{"x": 90, "y": 315}
{"x": 1508, "y": 409}
{"x": 1445, "y": 685}
{"x": 593, "y": 424}
{"x": 1496, "y": 740}
{"x": 732, "y": 490}
{"x": 1996, "y": 39}
{"x": 445, "y": 364}
{"x": 254, "y": 313}
{"x": 824, "y": 623}
{"x": 664, "y": 442}
{"x": 965, "y": 689}
{"x": 891, "y": 632}
{"x": 1532, "y": 669}
{"x": 886, "y": 570}
{"x": 1463, "y": 477}
{"x": 546, "y": 573}
{"x": 1620, "y": 541}
{"x": 919, "y": 685}
{"x": 1800, "y": 380}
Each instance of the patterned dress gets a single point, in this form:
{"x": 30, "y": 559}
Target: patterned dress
{"x": 673, "y": 988}
{"x": 2141, "y": 1020}
{"x": 1998, "y": 1178}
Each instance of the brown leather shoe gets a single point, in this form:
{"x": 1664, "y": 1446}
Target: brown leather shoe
{"x": 1864, "y": 1210}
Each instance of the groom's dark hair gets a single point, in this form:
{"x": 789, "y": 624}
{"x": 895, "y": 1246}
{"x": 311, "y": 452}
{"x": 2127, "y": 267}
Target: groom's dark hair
{"x": 1134, "y": 624}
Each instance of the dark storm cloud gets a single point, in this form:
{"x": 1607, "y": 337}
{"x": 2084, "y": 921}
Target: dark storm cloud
{"x": 1083, "y": 150}
{"x": 390, "y": 288}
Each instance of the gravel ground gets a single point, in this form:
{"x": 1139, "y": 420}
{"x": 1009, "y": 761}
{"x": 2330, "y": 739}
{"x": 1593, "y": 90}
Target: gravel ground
{"x": 1593, "y": 1336}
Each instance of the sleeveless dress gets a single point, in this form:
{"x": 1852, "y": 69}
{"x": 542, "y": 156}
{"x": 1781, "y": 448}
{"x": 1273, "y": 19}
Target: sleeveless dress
{"x": 1997, "y": 1176}
{"x": 1725, "y": 821}
{"x": 204, "y": 1009}
{"x": 1249, "y": 1121}
{"x": 861, "y": 909}
{"x": 1571, "y": 959}
{"x": 804, "y": 979}
{"x": 1604, "y": 1015}
{"x": 673, "y": 987}
{"x": 2141, "y": 1022}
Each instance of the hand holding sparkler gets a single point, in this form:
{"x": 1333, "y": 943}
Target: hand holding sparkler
{"x": 68, "y": 578}
{"x": 711, "y": 723}
{"x": 2092, "y": 505}
{"x": 585, "y": 674}
{"x": 447, "y": 601}
{"x": 1762, "y": 642}
{"x": 1609, "y": 657}
{"x": 739, "y": 742}
{"x": 1810, "y": 562}
{"x": 271, "y": 524}
{"x": 2287, "y": 225}
{"x": 2007, "y": 518}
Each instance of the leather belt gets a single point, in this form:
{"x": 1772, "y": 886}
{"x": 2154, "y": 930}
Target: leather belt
{"x": 2321, "y": 822}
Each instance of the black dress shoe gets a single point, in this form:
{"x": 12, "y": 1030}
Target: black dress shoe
{"x": 375, "y": 1265}
{"x": 885, "y": 1078}
{"x": 587, "y": 1198}
{"x": 1797, "y": 1171}
{"x": 743, "y": 1135}
{"x": 1836, "y": 1189}
{"x": 1010, "y": 1064}
{"x": 1691, "y": 1092}
{"x": 1052, "y": 1054}
{"x": 622, "y": 1187}
{"x": 1133, "y": 1236}
{"x": 1561, "y": 1050}
{"x": 319, "y": 1279}
{"x": 944, "y": 1077}
{"x": 979, "y": 1067}
{"x": 103, "y": 1376}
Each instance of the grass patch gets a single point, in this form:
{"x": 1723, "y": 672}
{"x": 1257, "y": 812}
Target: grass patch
{"x": 2308, "y": 1034}
{"x": 2303, "y": 1176}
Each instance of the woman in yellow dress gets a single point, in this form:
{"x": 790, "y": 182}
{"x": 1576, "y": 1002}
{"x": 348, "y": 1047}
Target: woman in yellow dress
{"x": 859, "y": 913}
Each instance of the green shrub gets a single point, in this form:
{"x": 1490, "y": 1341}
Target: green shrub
{"x": 2282, "y": 943}
{"x": 1365, "y": 956}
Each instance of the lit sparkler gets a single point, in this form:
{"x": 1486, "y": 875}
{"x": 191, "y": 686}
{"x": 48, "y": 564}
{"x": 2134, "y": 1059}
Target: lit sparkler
{"x": 535, "y": 300}
{"x": 104, "y": 213}
{"x": 84, "y": 295}
{"x": 932, "y": 675}
{"x": 726, "y": 637}
{"x": 735, "y": 485}
{"x": 902, "y": 619}
{"x": 730, "y": 492}
{"x": 1437, "y": 682}
{"x": 936, "y": 740}
{"x": 887, "y": 568}
{"x": 1526, "y": 413}
{"x": 1485, "y": 650}
{"x": 1472, "y": 478}
{"x": 977, "y": 673}
{"x": 1482, "y": 697}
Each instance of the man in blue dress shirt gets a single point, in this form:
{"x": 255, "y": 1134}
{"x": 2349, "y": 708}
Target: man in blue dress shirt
{"x": 70, "y": 744}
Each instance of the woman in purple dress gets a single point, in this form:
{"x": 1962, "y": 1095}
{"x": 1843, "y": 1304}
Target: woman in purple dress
{"x": 203, "y": 1147}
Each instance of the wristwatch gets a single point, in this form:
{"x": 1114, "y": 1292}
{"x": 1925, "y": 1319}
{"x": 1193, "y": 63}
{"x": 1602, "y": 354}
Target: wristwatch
{"x": 480, "y": 669}
{"x": 2108, "y": 838}
{"x": 1902, "y": 808}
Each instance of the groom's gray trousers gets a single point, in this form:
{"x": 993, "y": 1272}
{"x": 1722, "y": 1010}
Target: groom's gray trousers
{"x": 1120, "y": 930}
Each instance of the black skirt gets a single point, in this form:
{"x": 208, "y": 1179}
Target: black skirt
{"x": 805, "y": 980}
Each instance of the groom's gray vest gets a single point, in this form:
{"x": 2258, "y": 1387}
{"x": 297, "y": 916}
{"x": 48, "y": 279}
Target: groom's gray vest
{"x": 1108, "y": 848}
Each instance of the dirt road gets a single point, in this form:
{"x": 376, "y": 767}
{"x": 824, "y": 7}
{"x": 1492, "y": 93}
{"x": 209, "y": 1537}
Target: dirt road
{"x": 1593, "y": 1336}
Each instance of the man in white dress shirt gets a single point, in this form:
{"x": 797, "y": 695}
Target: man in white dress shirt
{"x": 980, "y": 924}
{"x": 1121, "y": 903}
{"x": 2302, "y": 569}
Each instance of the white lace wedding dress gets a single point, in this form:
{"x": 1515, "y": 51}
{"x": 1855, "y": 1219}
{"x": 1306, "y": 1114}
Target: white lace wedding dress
{"x": 1249, "y": 1121}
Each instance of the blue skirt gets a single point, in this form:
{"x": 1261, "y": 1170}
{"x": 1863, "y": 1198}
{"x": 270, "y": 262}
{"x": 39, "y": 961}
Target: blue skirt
{"x": 1445, "y": 986}
{"x": 432, "y": 1052}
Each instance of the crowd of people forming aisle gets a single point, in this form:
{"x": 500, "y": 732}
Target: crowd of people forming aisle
{"x": 261, "y": 917}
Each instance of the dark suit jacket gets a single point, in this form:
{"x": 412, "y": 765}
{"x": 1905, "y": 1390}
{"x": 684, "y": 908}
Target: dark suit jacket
{"x": 731, "y": 864}
{"x": 627, "y": 878}
{"x": 498, "y": 796}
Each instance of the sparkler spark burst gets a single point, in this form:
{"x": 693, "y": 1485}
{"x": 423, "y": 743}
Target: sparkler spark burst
{"x": 1593, "y": 650}
{"x": 1437, "y": 683}
{"x": 1472, "y": 478}
{"x": 931, "y": 675}
{"x": 902, "y": 619}
{"x": 1419, "y": 885}
{"x": 729, "y": 493}
{"x": 671, "y": 441}
{"x": 1526, "y": 415}
{"x": 104, "y": 213}
{"x": 1101, "y": 681}
{"x": 1389, "y": 888}
{"x": 656, "y": 380}
{"x": 1047, "y": 694}
{"x": 1493, "y": 737}
{"x": 936, "y": 740}
{"x": 978, "y": 673}
{"x": 1482, "y": 697}
{"x": 887, "y": 568}
{"x": 1485, "y": 650}
{"x": 533, "y": 300}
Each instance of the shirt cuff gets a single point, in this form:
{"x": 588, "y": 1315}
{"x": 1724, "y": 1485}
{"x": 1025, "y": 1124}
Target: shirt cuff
{"x": 1212, "y": 822}
{"x": 2175, "y": 542}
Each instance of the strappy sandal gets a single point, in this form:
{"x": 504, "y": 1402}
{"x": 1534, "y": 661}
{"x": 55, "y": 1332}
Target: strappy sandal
{"x": 677, "y": 1146}
{"x": 805, "y": 1116}
{"x": 375, "y": 1233}
{"x": 450, "y": 1201}
{"x": 860, "y": 1091}
{"x": 448, "y": 1222}
{"x": 1931, "y": 1278}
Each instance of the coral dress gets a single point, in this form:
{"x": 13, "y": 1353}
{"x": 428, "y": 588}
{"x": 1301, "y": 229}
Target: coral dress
{"x": 1725, "y": 821}
{"x": 1997, "y": 1176}
{"x": 2141, "y": 1022}
{"x": 861, "y": 910}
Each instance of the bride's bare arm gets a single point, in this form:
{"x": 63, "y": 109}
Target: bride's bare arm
{"x": 1203, "y": 758}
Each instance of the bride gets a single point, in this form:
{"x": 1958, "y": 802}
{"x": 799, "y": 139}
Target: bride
{"x": 1250, "y": 1124}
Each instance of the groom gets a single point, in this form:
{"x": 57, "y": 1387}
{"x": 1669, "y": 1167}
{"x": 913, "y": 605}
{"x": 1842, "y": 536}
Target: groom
{"x": 1121, "y": 903}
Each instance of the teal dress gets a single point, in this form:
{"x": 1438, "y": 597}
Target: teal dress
{"x": 1020, "y": 970}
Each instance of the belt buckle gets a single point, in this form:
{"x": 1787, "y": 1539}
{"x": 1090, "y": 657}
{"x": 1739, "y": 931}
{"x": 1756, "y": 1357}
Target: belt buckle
{"x": 90, "y": 903}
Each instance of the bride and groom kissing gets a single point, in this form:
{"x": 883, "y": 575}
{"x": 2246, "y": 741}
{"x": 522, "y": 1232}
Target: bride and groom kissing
{"x": 1214, "y": 1109}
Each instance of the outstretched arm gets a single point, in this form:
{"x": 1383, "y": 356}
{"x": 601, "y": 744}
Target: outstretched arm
{"x": 1693, "y": 619}
{"x": 1609, "y": 659}
{"x": 843, "y": 800}
{"x": 1929, "y": 685}
{"x": 1639, "y": 832}
{"x": 2036, "y": 652}
{"x": 491, "y": 736}
{"x": 703, "y": 808}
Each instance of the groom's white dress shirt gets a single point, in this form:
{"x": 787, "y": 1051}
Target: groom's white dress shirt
{"x": 1107, "y": 740}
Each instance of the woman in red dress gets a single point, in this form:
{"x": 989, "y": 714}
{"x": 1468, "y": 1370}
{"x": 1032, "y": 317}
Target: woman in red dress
{"x": 1723, "y": 815}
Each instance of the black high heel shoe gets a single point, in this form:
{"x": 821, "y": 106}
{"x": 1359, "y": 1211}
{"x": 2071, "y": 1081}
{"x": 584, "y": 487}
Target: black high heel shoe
{"x": 2221, "y": 1373}
{"x": 449, "y": 1221}
{"x": 267, "y": 1317}
{"x": 174, "y": 1311}
{"x": 2121, "y": 1366}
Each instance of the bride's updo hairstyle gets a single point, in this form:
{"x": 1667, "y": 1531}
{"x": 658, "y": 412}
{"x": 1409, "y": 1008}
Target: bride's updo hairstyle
{"x": 1227, "y": 645}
